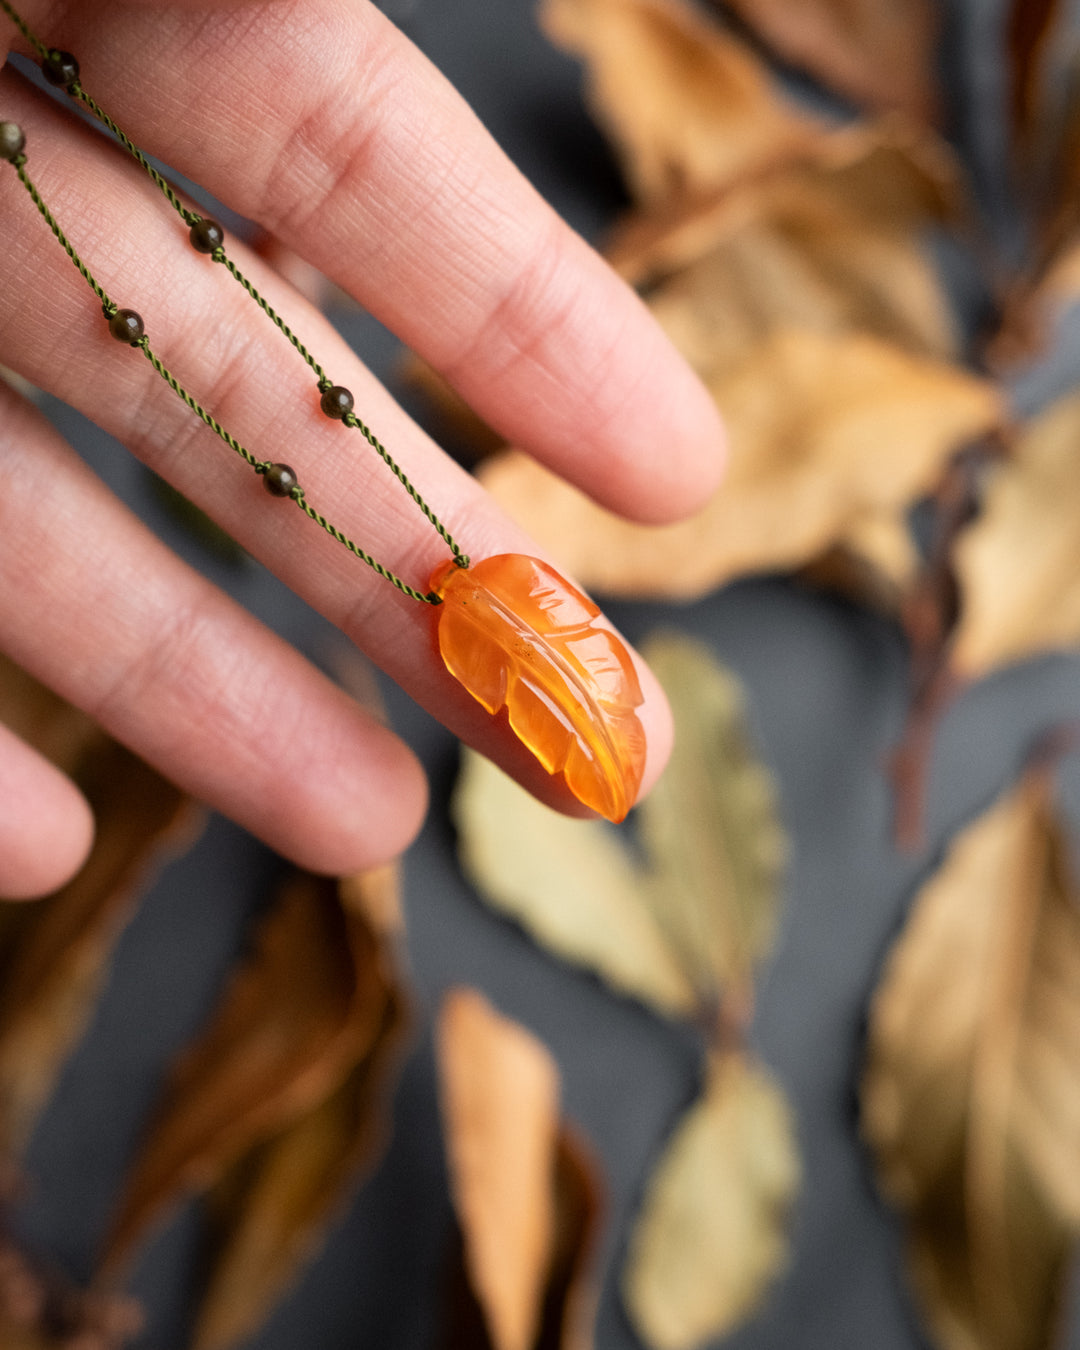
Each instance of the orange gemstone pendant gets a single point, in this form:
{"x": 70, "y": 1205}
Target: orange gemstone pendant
{"x": 518, "y": 636}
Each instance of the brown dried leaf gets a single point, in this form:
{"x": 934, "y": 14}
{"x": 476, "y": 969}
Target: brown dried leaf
{"x": 54, "y": 953}
{"x": 831, "y": 246}
{"x": 522, "y": 1187}
{"x": 273, "y": 1206}
{"x": 862, "y": 428}
{"x": 570, "y": 1297}
{"x": 308, "y": 1007}
{"x": 881, "y": 53}
{"x": 971, "y": 1100}
{"x": 1016, "y": 565}
{"x": 1030, "y": 25}
{"x": 688, "y": 107}
{"x": 712, "y": 1233}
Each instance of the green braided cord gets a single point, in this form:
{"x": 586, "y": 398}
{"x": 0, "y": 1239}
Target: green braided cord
{"x": 24, "y": 29}
{"x": 191, "y": 218}
{"x": 24, "y": 178}
{"x": 429, "y": 599}
{"x": 351, "y": 420}
{"x": 109, "y": 308}
{"x": 218, "y": 256}
{"x": 77, "y": 91}
{"x": 261, "y": 466}
{"x": 197, "y": 408}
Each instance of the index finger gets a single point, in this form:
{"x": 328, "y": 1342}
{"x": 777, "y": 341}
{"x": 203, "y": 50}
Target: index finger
{"x": 318, "y": 119}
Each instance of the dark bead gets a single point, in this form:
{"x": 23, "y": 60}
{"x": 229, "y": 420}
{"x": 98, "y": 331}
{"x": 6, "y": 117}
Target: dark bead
{"x": 206, "y": 235}
{"x": 12, "y": 141}
{"x": 279, "y": 480}
{"x": 127, "y": 326}
{"x": 60, "y": 68}
{"x": 336, "y": 402}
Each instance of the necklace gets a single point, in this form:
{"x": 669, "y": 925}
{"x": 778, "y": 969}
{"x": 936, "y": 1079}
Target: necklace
{"x": 510, "y": 629}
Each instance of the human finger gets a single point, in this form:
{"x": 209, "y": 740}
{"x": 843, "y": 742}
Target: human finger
{"x": 96, "y": 607}
{"x": 51, "y": 328}
{"x": 318, "y": 119}
{"x": 46, "y": 827}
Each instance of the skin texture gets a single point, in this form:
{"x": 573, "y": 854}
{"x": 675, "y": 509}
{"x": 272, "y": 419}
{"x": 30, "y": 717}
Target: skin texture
{"x": 317, "y": 119}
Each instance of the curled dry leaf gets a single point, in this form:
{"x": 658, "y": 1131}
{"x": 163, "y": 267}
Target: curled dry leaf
{"x": 881, "y": 53}
{"x": 712, "y": 1233}
{"x": 1016, "y": 565}
{"x": 834, "y": 246}
{"x": 54, "y": 953}
{"x": 689, "y": 925}
{"x": 971, "y": 1097}
{"x": 277, "y": 1100}
{"x": 689, "y": 107}
{"x": 863, "y": 429}
{"x": 522, "y": 1186}
{"x": 272, "y": 1207}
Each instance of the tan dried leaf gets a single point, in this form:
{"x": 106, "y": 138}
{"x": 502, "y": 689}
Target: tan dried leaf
{"x": 716, "y": 851}
{"x": 881, "y": 53}
{"x": 688, "y": 107}
{"x": 971, "y": 1095}
{"x": 571, "y": 883}
{"x": 1016, "y": 565}
{"x": 712, "y": 1233}
{"x": 825, "y": 429}
{"x": 500, "y": 1105}
{"x": 54, "y": 953}
{"x": 691, "y": 923}
{"x": 307, "y": 1008}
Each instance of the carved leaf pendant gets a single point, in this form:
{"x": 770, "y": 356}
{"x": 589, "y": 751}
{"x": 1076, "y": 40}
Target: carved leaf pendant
{"x": 518, "y": 636}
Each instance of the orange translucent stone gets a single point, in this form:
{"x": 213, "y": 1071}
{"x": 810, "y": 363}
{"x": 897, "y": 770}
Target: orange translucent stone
{"x": 518, "y": 636}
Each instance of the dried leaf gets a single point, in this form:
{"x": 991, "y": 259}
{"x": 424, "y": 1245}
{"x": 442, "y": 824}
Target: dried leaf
{"x": 520, "y": 637}
{"x": 712, "y": 1233}
{"x": 568, "y": 1310}
{"x": 272, "y": 1208}
{"x": 54, "y": 953}
{"x": 500, "y": 1106}
{"x": 307, "y": 1008}
{"x": 687, "y": 106}
{"x": 690, "y": 924}
{"x": 832, "y": 246}
{"x": 1030, "y": 26}
{"x": 1016, "y": 565}
{"x": 863, "y": 428}
{"x": 571, "y": 883}
{"x": 716, "y": 852}
{"x": 881, "y": 53}
{"x": 971, "y": 1100}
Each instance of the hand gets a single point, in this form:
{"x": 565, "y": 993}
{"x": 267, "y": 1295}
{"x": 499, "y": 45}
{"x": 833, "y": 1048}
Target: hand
{"x": 319, "y": 120}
